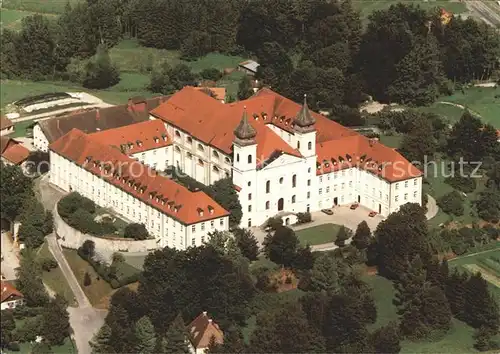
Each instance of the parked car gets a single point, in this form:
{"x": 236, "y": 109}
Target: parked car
{"x": 327, "y": 211}
{"x": 354, "y": 206}
{"x": 372, "y": 214}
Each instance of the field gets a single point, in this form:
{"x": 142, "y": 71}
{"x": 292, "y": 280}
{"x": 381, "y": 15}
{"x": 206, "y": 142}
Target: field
{"x": 318, "y": 235}
{"x": 98, "y": 289}
{"x": 482, "y": 101}
{"x": 487, "y": 263}
{"x": 366, "y": 7}
{"x": 44, "y": 6}
{"x": 55, "y": 279}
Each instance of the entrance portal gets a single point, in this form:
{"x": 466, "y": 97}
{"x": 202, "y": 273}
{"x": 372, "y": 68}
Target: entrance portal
{"x": 281, "y": 203}
{"x": 359, "y": 199}
{"x": 380, "y": 208}
{"x": 287, "y": 221}
{"x": 335, "y": 201}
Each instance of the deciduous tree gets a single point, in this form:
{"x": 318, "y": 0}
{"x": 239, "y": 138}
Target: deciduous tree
{"x": 55, "y": 321}
{"x": 281, "y": 246}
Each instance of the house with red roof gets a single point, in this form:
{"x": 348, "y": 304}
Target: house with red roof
{"x": 201, "y": 331}
{"x": 11, "y": 297}
{"x": 6, "y": 126}
{"x": 282, "y": 158}
{"x": 12, "y": 151}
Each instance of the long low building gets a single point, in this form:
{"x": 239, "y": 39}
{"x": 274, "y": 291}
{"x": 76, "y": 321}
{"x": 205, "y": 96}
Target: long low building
{"x": 282, "y": 159}
{"x": 174, "y": 215}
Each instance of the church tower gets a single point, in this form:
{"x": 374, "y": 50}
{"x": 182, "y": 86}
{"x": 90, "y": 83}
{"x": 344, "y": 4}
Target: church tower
{"x": 305, "y": 131}
{"x": 244, "y": 167}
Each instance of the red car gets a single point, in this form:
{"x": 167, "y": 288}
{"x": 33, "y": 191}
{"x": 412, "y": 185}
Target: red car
{"x": 354, "y": 206}
{"x": 372, "y": 214}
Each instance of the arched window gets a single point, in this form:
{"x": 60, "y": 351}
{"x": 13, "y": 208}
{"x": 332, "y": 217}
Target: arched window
{"x": 216, "y": 169}
{"x": 200, "y": 161}
{"x": 200, "y": 147}
{"x": 227, "y": 160}
{"x": 177, "y": 134}
{"x": 268, "y": 186}
{"x": 281, "y": 180}
{"x": 215, "y": 154}
{"x": 309, "y": 145}
{"x": 267, "y": 205}
{"x": 249, "y": 222}
{"x": 249, "y": 158}
{"x": 298, "y": 144}
{"x": 237, "y": 157}
{"x": 177, "y": 149}
{"x": 293, "y": 199}
{"x": 189, "y": 140}
{"x": 294, "y": 181}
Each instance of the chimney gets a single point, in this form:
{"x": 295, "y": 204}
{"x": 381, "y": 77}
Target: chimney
{"x": 204, "y": 313}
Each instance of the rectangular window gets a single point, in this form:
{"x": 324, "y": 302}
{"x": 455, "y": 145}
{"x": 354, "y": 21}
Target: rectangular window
{"x": 415, "y": 194}
{"x": 308, "y": 195}
{"x": 202, "y": 239}
{"x": 350, "y": 184}
{"x": 397, "y": 186}
{"x": 406, "y": 184}
{"x": 308, "y": 182}
{"x": 193, "y": 228}
{"x": 334, "y": 187}
{"x": 192, "y": 242}
{"x": 249, "y": 208}
{"x": 406, "y": 196}
{"x": 327, "y": 189}
{"x": 202, "y": 226}
{"x": 249, "y": 196}
{"x": 320, "y": 191}
{"x": 212, "y": 224}
{"x": 415, "y": 181}
{"x": 320, "y": 179}
{"x": 158, "y": 227}
{"x": 328, "y": 177}
{"x": 396, "y": 198}
{"x": 343, "y": 185}
{"x": 221, "y": 222}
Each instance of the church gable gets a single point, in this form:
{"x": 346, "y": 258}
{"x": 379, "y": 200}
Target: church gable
{"x": 280, "y": 160}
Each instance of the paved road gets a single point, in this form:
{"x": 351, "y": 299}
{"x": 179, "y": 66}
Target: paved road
{"x": 10, "y": 258}
{"x": 432, "y": 208}
{"x": 84, "y": 319}
{"x": 48, "y": 194}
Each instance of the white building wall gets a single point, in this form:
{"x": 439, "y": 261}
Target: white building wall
{"x": 12, "y": 304}
{"x": 166, "y": 230}
{"x": 40, "y": 141}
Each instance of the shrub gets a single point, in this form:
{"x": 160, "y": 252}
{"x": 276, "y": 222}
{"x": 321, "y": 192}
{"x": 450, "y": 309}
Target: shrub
{"x": 82, "y": 220}
{"x": 48, "y": 264}
{"x": 24, "y": 312}
{"x": 463, "y": 184}
{"x": 14, "y": 346}
{"x": 452, "y": 203}
{"x": 136, "y": 231}
{"x": 72, "y": 202}
{"x": 303, "y": 218}
{"x": 274, "y": 223}
{"x": 211, "y": 74}
{"x": 87, "y": 249}
{"x": 118, "y": 258}
{"x": 86, "y": 279}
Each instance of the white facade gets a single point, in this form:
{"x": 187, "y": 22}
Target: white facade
{"x": 40, "y": 141}
{"x": 167, "y": 230}
{"x": 12, "y": 304}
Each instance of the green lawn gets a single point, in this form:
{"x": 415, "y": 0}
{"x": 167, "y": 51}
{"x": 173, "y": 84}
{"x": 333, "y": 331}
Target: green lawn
{"x": 99, "y": 288}
{"x": 318, "y": 235}
{"x": 136, "y": 262}
{"x": 21, "y": 129}
{"x": 55, "y": 279}
{"x": 11, "y": 19}
{"x": 392, "y": 141}
{"x": 67, "y": 348}
{"x": 366, "y": 7}
{"x": 45, "y": 6}
{"x": 480, "y": 100}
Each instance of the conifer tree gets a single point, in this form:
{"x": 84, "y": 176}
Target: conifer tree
{"x": 100, "y": 341}
{"x": 386, "y": 340}
{"x": 455, "y": 293}
{"x": 481, "y": 309}
{"x": 362, "y": 236}
{"x": 342, "y": 236}
{"x": 55, "y": 322}
{"x": 145, "y": 336}
{"x": 176, "y": 338}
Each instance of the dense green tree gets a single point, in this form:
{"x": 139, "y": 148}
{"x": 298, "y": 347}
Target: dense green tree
{"x": 480, "y": 308}
{"x": 390, "y": 36}
{"x": 281, "y": 246}
{"x": 275, "y": 66}
{"x": 452, "y": 203}
{"x": 304, "y": 259}
{"x": 100, "y": 72}
{"x": 418, "y": 76}
{"x": 285, "y": 330}
{"x": 145, "y": 336}
{"x": 100, "y": 343}
{"x": 488, "y": 205}
{"x": 247, "y": 243}
{"x": 175, "y": 338}
{"x": 400, "y": 237}
{"x": 35, "y": 47}
{"x": 136, "y": 231}
{"x": 385, "y": 340}
{"x": 122, "y": 338}
{"x": 55, "y": 321}
{"x": 419, "y": 146}
{"x": 222, "y": 191}
{"x": 245, "y": 89}
{"x": 8, "y": 53}
{"x": 343, "y": 235}
{"x": 7, "y": 326}
{"x": 326, "y": 274}
{"x": 15, "y": 189}
{"x": 29, "y": 280}
{"x": 484, "y": 339}
{"x": 41, "y": 348}
{"x": 212, "y": 74}
{"x": 196, "y": 44}
{"x": 362, "y": 237}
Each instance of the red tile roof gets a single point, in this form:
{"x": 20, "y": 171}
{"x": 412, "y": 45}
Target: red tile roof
{"x": 5, "y": 123}
{"x": 137, "y": 179}
{"x": 12, "y": 150}
{"x": 219, "y": 92}
{"x": 202, "y": 329}
{"x": 213, "y": 123}
{"x": 364, "y": 153}
{"x": 135, "y": 138}
{"x": 9, "y": 292}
